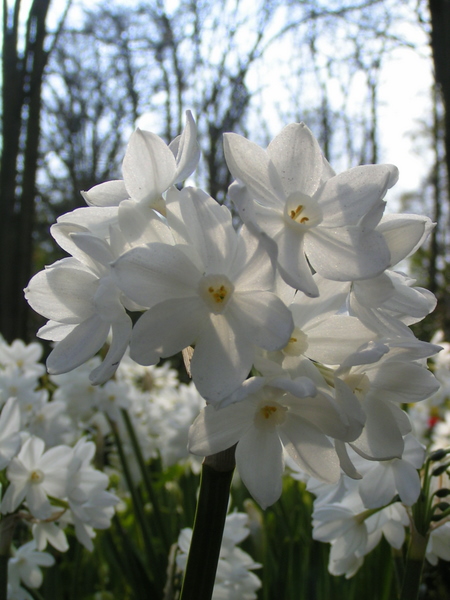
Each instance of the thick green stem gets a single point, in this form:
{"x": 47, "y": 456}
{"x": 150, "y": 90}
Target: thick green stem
{"x": 212, "y": 506}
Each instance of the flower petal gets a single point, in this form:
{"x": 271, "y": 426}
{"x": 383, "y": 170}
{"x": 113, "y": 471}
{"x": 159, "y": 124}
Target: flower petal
{"x": 148, "y": 167}
{"x": 259, "y": 460}
{"x": 298, "y": 159}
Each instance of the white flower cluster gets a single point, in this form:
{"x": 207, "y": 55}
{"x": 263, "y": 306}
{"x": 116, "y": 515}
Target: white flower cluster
{"x": 234, "y": 579}
{"x": 303, "y": 297}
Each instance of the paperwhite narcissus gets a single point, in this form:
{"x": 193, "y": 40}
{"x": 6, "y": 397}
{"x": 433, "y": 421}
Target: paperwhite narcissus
{"x": 290, "y": 192}
{"x": 150, "y": 167}
{"x": 212, "y": 289}
{"x": 276, "y": 414}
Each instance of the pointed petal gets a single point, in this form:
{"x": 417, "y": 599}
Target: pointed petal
{"x": 222, "y": 359}
{"x": 215, "y": 430}
{"x": 110, "y": 193}
{"x": 259, "y": 460}
{"x": 310, "y": 449}
{"x": 251, "y": 166}
{"x": 404, "y": 234}
{"x": 79, "y": 346}
{"x": 298, "y": 159}
{"x": 266, "y": 320}
{"x": 292, "y": 263}
{"x": 148, "y": 167}
{"x": 346, "y": 253}
{"x": 166, "y": 329}
{"x": 186, "y": 150}
{"x": 150, "y": 274}
{"x": 347, "y": 197}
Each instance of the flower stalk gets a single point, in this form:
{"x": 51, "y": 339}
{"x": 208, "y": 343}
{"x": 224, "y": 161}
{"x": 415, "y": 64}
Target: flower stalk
{"x": 212, "y": 506}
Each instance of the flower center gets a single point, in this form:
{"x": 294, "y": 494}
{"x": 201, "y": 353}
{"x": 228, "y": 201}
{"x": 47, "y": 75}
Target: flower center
{"x": 359, "y": 383}
{"x": 36, "y": 476}
{"x": 215, "y": 291}
{"x": 302, "y": 211}
{"x": 270, "y": 414}
{"x": 298, "y": 343}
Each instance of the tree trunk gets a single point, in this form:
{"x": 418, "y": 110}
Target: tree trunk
{"x": 21, "y": 109}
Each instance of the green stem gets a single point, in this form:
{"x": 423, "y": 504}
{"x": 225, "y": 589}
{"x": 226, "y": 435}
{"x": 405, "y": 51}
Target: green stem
{"x": 414, "y": 565}
{"x": 159, "y": 521}
{"x": 212, "y": 506}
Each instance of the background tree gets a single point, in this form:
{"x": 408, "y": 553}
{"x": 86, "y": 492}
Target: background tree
{"x": 24, "y": 57}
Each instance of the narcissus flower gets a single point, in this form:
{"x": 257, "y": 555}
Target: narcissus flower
{"x": 291, "y": 193}
{"x": 211, "y": 289}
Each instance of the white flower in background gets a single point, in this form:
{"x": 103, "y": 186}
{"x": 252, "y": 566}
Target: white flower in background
{"x": 25, "y": 357}
{"x": 10, "y": 440}
{"x": 290, "y": 192}
{"x": 34, "y": 474}
{"x": 24, "y": 566}
{"x": 234, "y": 578}
{"x": 439, "y": 544}
{"x": 212, "y": 290}
{"x": 150, "y": 167}
{"x": 49, "y": 532}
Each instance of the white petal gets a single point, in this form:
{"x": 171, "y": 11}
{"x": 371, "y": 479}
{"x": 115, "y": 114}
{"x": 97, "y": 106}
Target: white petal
{"x": 79, "y": 346}
{"x": 186, "y": 150}
{"x": 298, "y": 159}
{"x": 400, "y": 381}
{"x": 310, "y": 449}
{"x": 110, "y": 193}
{"x": 332, "y": 341}
{"x": 215, "y": 430}
{"x": 259, "y": 460}
{"x": 377, "y": 487}
{"x": 292, "y": 263}
{"x": 166, "y": 329}
{"x": 121, "y": 333}
{"x": 150, "y": 274}
{"x": 140, "y": 224}
{"x": 148, "y": 167}
{"x": 62, "y": 293}
{"x": 266, "y": 320}
{"x": 404, "y": 234}
{"x": 381, "y": 438}
{"x": 197, "y": 220}
{"x": 347, "y": 197}
{"x": 251, "y": 166}
{"x": 407, "y": 481}
{"x": 222, "y": 359}
{"x": 373, "y": 292}
{"x": 346, "y": 253}
{"x": 253, "y": 265}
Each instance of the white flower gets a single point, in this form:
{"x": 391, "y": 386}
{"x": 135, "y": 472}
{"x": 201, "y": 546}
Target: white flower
{"x": 34, "y": 475}
{"x": 150, "y": 167}
{"x": 439, "y": 544}
{"x": 211, "y": 289}
{"x": 290, "y": 192}
{"x": 24, "y": 565}
{"x": 284, "y": 413}
{"x": 384, "y": 479}
{"x": 23, "y": 356}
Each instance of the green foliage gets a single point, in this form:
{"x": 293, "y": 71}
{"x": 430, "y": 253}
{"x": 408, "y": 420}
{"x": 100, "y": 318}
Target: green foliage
{"x": 294, "y": 565}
